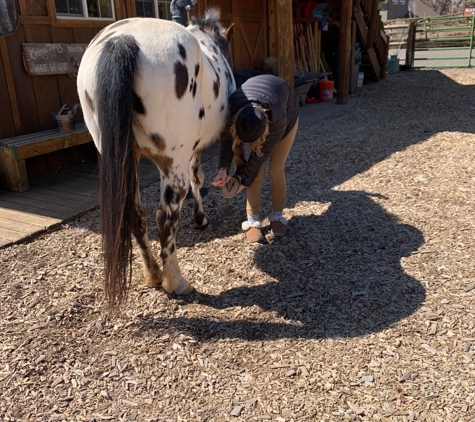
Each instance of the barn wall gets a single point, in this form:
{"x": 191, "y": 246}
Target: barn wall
{"x": 29, "y": 101}
{"x": 250, "y": 42}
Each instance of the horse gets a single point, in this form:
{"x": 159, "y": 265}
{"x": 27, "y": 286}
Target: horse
{"x": 156, "y": 88}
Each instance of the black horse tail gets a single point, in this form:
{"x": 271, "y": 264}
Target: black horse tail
{"x": 116, "y": 68}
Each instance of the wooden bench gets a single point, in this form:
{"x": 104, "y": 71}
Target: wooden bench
{"x": 15, "y": 150}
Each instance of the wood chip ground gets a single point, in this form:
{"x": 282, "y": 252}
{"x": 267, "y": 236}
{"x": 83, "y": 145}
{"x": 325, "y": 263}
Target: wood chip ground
{"x": 364, "y": 311}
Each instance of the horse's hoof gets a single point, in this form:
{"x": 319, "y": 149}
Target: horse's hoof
{"x": 181, "y": 288}
{"x": 204, "y": 226}
{"x": 185, "y": 291}
{"x": 152, "y": 281}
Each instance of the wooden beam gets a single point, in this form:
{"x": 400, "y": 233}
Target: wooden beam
{"x": 272, "y": 29}
{"x": 317, "y": 36}
{"x": 409, "y": 46}
{"x": 373, "y": 24}
{"x": 285, "y": 57}
{"x": 23, "y": 8}
{"x": 373, "y": 58}
{"x": 131, "y": 9}
{"x": 361, "y": 24}
{"x": 359, "y": 17}
{"x": 34, "y": 20}
{"x": 67, "y": 23}
{"x": 344, "y": 52}
{"x": 353, "y": 75}
{"x": 51, "y": 7}
{"x": 10, "y": 85}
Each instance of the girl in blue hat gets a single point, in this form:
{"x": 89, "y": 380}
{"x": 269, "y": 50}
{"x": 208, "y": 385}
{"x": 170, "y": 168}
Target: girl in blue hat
{"x": 263, "y": 119}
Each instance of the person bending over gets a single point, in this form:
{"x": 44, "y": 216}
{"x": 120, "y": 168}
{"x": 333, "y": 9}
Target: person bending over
{"x": 263, "y": 119}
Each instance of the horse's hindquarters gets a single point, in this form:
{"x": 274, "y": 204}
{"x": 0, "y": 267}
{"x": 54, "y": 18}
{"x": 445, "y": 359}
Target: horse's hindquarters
{"x": 151, "y": 87}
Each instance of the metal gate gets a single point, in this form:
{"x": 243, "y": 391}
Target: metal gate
{"x": 443, "y": 42}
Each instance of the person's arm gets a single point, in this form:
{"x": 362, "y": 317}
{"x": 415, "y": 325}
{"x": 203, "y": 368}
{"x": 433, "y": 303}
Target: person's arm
{"x": 225, "y": 158}
{"x": 254, "y": 163}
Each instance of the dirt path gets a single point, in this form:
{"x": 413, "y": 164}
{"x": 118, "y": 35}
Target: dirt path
{"x": 365, "y": 311}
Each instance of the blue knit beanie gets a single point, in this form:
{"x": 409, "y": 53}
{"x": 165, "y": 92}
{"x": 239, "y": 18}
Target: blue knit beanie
{"x": 250, "y": 124}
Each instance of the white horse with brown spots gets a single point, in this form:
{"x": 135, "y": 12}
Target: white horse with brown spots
{"x": 152, "y": 87}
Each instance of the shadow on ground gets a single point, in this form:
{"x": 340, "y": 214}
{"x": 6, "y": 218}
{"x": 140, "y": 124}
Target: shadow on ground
{"x": 339, "y": 275}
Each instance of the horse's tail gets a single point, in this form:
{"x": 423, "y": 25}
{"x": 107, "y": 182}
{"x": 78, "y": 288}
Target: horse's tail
{"x": 119, "y": 165}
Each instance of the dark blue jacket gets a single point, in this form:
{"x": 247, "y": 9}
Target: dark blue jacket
{"x": 272, "y": 93}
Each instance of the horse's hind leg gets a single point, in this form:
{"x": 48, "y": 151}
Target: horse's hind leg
{"x": 151, "y": 270}
{"x": 197, "y": 181}
{"x": 173, "y": 191}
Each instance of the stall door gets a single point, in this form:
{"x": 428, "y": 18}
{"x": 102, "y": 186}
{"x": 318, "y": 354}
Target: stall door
{"x": 250, "y": 39}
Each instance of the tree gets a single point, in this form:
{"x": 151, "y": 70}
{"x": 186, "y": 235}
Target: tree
{"x": 447, "y": 7}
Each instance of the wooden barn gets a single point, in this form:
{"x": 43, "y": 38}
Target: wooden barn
{"x": 42, "y": 42}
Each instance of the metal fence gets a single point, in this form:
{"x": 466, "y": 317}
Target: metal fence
{"x": 432, "y": 42}
{"x": 442, "y": 42}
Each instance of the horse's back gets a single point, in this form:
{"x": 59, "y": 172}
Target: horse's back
{"x": 160, "y": 44}
{"x": 169, "y": 60}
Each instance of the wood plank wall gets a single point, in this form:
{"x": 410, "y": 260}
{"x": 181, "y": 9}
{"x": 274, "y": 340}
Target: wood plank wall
{"x": 249, "y": 43}
{"x": 31, "y": 100}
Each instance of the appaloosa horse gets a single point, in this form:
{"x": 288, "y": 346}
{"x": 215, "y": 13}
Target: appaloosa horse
{"x": 155, "y": 88}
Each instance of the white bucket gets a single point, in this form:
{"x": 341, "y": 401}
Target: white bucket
{"x": 360, "y": 80}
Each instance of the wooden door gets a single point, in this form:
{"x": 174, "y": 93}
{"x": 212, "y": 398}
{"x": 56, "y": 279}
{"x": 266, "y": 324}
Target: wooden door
{"x": 250, "y": 39}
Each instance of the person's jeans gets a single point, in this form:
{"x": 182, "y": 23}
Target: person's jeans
{"x": 277, "y": 176}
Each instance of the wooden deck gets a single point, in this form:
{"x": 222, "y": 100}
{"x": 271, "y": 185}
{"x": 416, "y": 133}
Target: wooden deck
{"x": 60, "y": 196}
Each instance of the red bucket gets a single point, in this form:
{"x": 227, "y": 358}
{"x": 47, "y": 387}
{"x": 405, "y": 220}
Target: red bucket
{"x": 326, "y": 91}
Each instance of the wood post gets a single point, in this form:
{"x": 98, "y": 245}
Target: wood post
{"x": 373, "y": 24}
{"x": 10, "y": 85}
{"x": 12, "y": 171}
{"x": 272, "y": 29}
{"x": 344, "y": 49}
{"x": 285, "y": 57}
{"x": 410, "y": 45}
{"x": 317, "y": 36}
{"x": 353, "y": 75}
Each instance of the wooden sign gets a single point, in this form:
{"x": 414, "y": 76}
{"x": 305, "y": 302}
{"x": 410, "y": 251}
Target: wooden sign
{"x": 52, "y": 59}
{"x": 469, "y": 11}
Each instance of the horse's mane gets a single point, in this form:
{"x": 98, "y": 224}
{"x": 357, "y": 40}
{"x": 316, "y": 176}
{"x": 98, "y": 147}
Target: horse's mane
{"x": 210, "y": 22}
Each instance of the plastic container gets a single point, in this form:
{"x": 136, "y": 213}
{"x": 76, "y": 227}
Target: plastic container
{"x": 355, "y": 80}
{"x": 359, "y": 84}
{"x": 326, "y": 91}
{"x": 393, "y": 65}
{"x": 66, "y": 123}
{"x": 358, "y": 59}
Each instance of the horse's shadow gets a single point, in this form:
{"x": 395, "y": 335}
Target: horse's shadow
{"x": 337, "y": 274}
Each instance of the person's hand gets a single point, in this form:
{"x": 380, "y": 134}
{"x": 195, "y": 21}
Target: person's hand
{"x": 221, "y": 178}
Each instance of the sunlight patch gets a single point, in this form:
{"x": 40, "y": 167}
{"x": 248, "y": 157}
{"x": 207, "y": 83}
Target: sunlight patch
{"x": 303, "y": 208}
